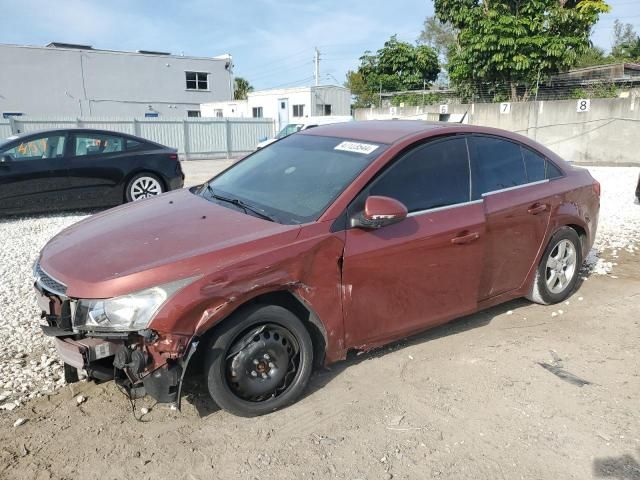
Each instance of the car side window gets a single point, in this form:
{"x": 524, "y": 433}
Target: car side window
{"x": 552, "y": 171}
{"x": 495, "y": 165}
{"x": 134, "y": 144}
{"x": 534, "y": 165}
{"x": 538, "y": 168}
{"x": 50, "y": 146}
{"x": 96, "y": 144}
{"x": 430, "y": 176}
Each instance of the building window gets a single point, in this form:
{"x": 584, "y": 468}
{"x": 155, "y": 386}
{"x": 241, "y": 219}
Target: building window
{"x": 257, "y": 112}
{"x": 298, "y": 110}
{"x": 197, "y": 80}
{"x": 327, "y": 109}
{"x": 219, "y": 113}
{"x": 193, "y": 113}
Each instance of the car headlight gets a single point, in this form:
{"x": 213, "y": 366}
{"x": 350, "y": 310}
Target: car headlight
{"x": 127, "y": 313}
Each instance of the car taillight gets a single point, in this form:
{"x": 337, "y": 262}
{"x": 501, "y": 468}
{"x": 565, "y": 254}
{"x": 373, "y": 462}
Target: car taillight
{"x": 173, "y": 156}
{"x": 596, "y": 187}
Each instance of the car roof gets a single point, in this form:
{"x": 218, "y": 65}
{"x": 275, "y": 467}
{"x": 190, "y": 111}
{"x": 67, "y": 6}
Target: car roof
{"x": 379, "y": 131}
{"x": 81, "y": 130}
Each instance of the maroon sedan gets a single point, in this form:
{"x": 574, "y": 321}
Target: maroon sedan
{"x": 342, "y": 237}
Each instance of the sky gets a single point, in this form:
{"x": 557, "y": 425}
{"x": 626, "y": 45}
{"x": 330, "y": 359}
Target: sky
{"x": 272, "y": 41}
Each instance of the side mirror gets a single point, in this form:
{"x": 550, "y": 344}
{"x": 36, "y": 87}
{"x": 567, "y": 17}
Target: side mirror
{"x": 380, "y": 212}
{"x": 5, "y": 159}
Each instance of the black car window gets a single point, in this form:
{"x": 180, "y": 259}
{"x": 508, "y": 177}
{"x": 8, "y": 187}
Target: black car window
{"x": 46, "y": 146}
{"x": 134, "y": 144}
{"x": 534, "y": 164}
{"x": 95, "y": 144}
{"x": 553, "y": 171}
{"x": 430, "y": 176}
{"x": 495, "y": 165}
{"x": 538, "y": 168}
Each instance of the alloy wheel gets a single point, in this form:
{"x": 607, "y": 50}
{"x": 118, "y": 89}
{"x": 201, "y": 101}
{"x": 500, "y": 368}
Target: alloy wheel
{"x": 145, "y": 187}
{"x": 561, "y": 266}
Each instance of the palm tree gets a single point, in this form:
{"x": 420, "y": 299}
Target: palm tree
{"x": 242, "y": 88}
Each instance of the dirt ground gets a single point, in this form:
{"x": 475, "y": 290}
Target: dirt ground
{"x": 469, "y": 400}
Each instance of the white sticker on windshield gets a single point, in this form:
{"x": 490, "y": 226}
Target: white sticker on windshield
{"x": 356, "y": 147}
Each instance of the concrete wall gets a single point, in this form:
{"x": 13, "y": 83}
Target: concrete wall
{"x": 44, "y": 81}
{"x": 608, "y": 133}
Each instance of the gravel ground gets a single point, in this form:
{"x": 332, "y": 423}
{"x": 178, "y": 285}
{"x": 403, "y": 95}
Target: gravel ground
{"x": 28, "y": 363}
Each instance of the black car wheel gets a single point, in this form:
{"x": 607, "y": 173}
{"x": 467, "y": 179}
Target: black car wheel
{"x": 143, "y": 185}
{"x": 558, "y": 269}
{"x": 260, "y": 360}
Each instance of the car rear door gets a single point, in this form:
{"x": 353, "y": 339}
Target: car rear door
{"x": 97, "y": 166}
{"x": 424, "y": 270}
{"x": 33, "y": 174}
{"x": 517, "y": 202}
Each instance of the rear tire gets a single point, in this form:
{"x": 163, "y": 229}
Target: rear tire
{"x": 143, "y": 185}
{"x": 559, "y": 268}
{"x": 259, "y": 361}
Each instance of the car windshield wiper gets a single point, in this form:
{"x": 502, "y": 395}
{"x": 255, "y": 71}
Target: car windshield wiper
{"x": 239, "y": 203}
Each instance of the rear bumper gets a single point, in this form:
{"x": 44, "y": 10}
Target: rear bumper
{"x": 176, "y": 183}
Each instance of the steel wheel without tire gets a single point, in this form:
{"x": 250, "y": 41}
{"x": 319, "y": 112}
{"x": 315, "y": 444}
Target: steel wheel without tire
{"x": 143, "y": 185}
{"x": 260, "y": 360}
{"x": 557, "y": 271}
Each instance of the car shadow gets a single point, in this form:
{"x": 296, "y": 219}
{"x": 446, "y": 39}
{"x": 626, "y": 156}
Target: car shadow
{"x": 624, "y": 467}
{"x": 195, "y": 387}
{"x": 325, "y": 375}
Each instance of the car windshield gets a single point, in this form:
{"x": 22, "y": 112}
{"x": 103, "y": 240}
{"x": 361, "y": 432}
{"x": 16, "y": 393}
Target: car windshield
{"x": 296, "y": 179}
{"x": 289, "y": 129}
{"x": 8, "y": 140}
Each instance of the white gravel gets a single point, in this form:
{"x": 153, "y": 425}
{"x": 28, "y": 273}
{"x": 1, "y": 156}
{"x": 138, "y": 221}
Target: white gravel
{"x": 28, "y": 362}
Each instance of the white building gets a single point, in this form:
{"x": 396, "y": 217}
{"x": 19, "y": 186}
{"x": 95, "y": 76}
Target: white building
{"x": 285, "y": 105}
{"x": 72, "y": 80}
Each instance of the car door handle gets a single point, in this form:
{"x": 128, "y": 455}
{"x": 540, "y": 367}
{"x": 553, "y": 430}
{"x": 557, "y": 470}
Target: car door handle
{"x": 537, "y": 208}
{"x": 466, "y": 238}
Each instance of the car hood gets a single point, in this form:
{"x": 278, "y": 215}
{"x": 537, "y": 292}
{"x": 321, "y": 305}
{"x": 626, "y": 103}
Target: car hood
{"x": 154, "y": 241}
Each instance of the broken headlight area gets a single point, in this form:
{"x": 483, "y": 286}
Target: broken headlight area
{"x": 143, "y": 363}
{"x": 110, "y": 339}
{"x": 126, "y": 313}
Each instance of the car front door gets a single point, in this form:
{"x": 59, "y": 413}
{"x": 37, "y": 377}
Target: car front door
{"x": 425, "y": 270}
{"x": 517, "y": 200}
{"x": 96, "y": 166}
{"x": 33, "y": 174}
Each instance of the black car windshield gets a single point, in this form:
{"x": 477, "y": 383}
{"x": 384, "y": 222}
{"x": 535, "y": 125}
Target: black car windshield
{"x": 295, "y": 179}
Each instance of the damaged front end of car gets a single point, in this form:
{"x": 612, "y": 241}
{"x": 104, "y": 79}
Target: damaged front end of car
{"x": 111, "y": 339}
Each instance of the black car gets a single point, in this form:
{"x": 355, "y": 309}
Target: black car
{"x": 82, "y": 168}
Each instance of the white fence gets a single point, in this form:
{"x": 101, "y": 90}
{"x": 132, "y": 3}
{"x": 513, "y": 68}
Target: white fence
{"x": 192, "y": 137}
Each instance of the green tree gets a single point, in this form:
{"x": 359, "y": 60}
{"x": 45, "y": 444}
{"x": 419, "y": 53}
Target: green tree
{"x": 591, "y": 57}
{"x": 396, "y": 66}
{"x": 515, "y": 42}
{"x": 439, "y": 36}
{"x": 626, "y": 43}
{"x": 241, "y": 88}
{"x": 623, "y": 36}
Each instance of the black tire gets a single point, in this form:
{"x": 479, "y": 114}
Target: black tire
{"x": 158, "y": 187}
{"x": 540, "y": 291}
{"x": 268, "y": 337}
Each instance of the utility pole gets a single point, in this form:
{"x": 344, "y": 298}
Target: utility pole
{"x": 316, "y": 61}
